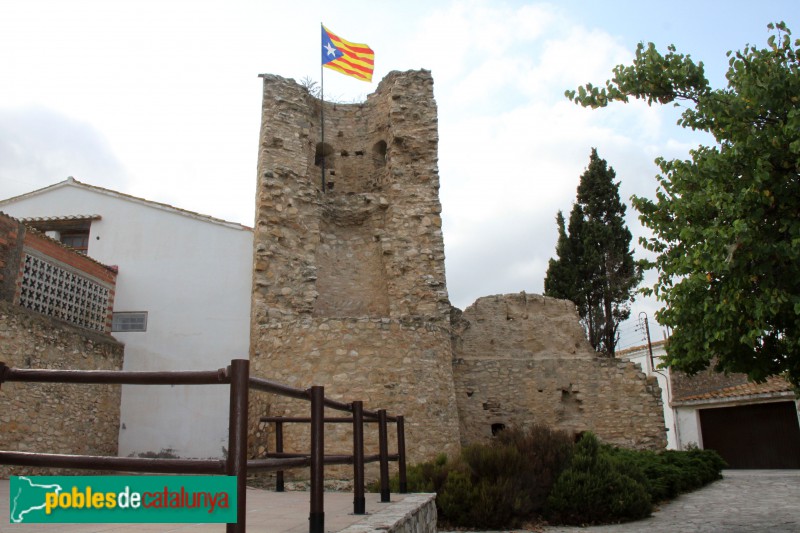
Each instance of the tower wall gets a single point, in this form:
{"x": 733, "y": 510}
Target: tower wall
{"x": 349, "y": 284}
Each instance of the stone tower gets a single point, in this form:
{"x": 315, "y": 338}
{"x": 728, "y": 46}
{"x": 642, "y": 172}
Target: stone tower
{"x": 349, "y": 283}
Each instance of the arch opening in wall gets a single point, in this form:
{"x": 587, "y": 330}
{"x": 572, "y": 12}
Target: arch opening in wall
{"x": 324, "y": 150}
{"x": 497, "y": 427}
{"x": 379, "y": 153}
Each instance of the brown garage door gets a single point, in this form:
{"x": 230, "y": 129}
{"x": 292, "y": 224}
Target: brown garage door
{"x": 763, "y": 435}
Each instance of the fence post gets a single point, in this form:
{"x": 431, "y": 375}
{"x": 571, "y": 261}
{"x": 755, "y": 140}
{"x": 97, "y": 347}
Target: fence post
{"x": 383, "y": 450}
{"x": 279, "y": 449}
{"x": 239, "y": 373}
{"x": 401, "y": 453}
{"x": 359, "y": 502}
{"x": 316, "y": 517}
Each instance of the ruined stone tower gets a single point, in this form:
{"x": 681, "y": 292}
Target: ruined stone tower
{"x": 349, "y": 283}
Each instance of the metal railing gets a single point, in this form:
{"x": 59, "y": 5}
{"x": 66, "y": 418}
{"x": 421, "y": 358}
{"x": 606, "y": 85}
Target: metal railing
{"x": 237, "y": 376}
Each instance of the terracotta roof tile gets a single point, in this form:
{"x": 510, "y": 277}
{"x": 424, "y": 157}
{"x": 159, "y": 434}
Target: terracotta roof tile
{"x": 773, "y": 384}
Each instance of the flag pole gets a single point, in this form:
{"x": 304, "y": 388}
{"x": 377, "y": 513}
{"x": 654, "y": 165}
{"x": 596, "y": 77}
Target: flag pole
{"x": 322, "y": 119}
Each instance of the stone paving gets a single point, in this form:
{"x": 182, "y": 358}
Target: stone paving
{"x": 744, "y": 501}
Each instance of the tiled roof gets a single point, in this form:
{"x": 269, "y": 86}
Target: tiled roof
{"x": 773, "y": 385}
{"x": 641, "y": 348}
{"x": 25, "y": 222}
{"x": 61, "y": 218}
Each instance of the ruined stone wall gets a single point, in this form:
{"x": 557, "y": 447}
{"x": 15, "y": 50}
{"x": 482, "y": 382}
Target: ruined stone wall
{"x": 523, "y": 359}
{"x": 53, "y": 417}
{"x": 349, "y": 284}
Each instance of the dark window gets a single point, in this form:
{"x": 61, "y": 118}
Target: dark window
{"x": 497, "y": 428}
{"x": 79, "y": 240}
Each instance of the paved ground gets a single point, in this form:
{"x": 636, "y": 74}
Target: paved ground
{"x": 267, "y": 512}
{"x": 744, "y": 501}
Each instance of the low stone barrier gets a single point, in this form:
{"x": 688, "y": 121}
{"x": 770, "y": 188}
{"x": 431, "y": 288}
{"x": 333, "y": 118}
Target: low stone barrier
{"x": 415, "y": 514}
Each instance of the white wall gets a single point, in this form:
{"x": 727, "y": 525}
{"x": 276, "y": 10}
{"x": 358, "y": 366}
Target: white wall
{"x": 193, "y": 277}
{"x": 689, "y": 434}
{"x": 641, "y": 357}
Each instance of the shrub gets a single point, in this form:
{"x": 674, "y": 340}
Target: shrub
{"x": 669, "y": 473}
{"x": 422, "y": 477}
{"x": 546, "y": 453}
{"x": 498, "y": 485}
{"x": 523, "y": 475}
{"x": 597, "y": 488}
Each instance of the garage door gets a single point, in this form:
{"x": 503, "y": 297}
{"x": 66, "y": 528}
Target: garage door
{"x": 763, "y": 435}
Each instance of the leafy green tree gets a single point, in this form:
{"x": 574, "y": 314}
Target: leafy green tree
{"x": 595, "y": 266}
{"x": 725, "y": 224}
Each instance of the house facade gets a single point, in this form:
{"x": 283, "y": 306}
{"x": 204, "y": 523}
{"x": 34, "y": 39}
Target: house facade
{"x": 752, "y": 425}
{"x": 182, "y": 302}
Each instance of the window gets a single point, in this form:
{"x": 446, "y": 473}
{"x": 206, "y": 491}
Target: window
{"x": 72, "y": 230}
{"x": 129, "y": 321}
{"x": 79, "y": 240}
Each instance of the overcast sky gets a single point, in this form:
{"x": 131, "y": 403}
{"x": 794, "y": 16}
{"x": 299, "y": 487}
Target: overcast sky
{"x": 161, "y": 99}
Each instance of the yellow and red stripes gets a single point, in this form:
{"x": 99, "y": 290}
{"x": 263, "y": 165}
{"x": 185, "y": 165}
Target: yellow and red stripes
{"x": 357, "y": 60}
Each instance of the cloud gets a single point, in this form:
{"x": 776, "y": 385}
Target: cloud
{"x": 512, "y": 147}
{"x": 39, "y": 147}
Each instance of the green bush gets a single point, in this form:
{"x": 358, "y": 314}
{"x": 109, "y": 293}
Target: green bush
{"x": 524, "y": 475}
{"x": 423, "y": 477}
{"x": 498, "y": 485}
{"x": 597, "y": 488}
{"x": 669, "y": 473}
{"x": 506, "y": 482}
{"x": 546, "y": 453}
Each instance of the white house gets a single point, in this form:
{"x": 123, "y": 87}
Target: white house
{"x": 649, "y": 362}
{"x": 182, "y": 303}
{"x": 752, "y": 425}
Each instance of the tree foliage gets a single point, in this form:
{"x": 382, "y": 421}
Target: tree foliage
{"x": 725, "y": 224}
{"x": 595, "y": 266}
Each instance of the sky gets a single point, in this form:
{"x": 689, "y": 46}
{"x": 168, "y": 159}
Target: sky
{"x": 162, "y": 100}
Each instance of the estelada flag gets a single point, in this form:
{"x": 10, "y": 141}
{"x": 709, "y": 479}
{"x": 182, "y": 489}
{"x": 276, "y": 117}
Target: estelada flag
{"x": 351, "y": 59}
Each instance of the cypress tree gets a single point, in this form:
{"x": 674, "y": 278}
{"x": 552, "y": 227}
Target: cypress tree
{"x": 595, "y": 267}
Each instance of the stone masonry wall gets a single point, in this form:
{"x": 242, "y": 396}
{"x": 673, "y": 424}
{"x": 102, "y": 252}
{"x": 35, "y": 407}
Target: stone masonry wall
{"x": 349, "y": 284}
{"x": 56, "y": 418}
{"x": 523, "y": 359}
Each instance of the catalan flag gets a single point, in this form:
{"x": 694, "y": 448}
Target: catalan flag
{"x": 351, "y": 59}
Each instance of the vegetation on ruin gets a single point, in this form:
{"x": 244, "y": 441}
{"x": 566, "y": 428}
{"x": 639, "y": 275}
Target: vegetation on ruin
{"x": 595, "y": 267}
{"x": 539, "y": 474}
{"x": 725, "y": 225}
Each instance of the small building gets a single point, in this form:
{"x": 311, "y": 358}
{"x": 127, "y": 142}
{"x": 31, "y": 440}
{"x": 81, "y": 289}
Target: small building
{"x": 649, "y": 363}
{"x": 751, "y": 425}
{"x": 182, "y": 302}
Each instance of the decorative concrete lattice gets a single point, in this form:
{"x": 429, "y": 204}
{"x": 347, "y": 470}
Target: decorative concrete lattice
{"x": 53, "y": 290}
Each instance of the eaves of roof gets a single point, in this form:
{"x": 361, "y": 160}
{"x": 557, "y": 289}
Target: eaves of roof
{"x": 70, "y": 181}
{"x": 773, "y": 387}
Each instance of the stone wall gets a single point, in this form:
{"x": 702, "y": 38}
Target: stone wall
{"x": 523, "y": 359}
{"x": 416, "y": 513}
{"x": 52, "y": 417}
{"x": 349, "y": 283}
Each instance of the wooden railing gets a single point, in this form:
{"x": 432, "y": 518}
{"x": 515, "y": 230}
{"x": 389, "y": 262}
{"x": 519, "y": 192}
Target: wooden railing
{"x": 237, "y": 376}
